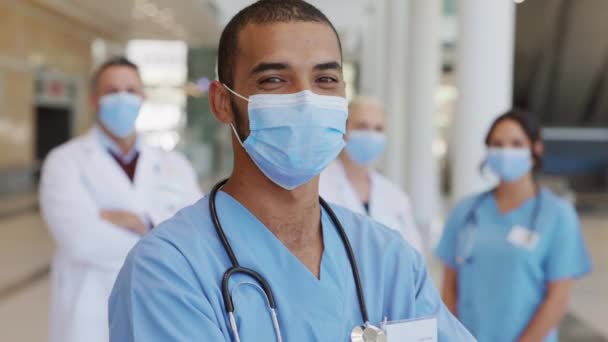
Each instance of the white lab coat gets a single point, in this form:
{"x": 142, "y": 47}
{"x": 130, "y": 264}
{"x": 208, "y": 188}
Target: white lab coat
{"x": 388, "y": 204}
{"x": 80, "y": 178}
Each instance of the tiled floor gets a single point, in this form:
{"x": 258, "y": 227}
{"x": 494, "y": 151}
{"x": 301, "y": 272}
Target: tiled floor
{"x": 26, "y": 248}
{"x": 590, "y": 301}
{"x": 23, "y": 316}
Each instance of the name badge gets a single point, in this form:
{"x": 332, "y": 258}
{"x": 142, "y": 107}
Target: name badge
{"x": 417, "y": 330}
{"x": 523, "y": 237}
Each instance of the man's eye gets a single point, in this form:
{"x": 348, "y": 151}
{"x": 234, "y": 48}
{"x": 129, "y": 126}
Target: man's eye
{"x": 518, "y": 144}
{"x": 327, "y": 79}
{"x": 271, "y": 80}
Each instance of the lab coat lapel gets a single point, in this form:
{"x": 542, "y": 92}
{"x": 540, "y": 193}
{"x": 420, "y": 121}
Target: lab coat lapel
{"x": 102, "y": 170}
{"x": 375, "y": 197}
{"x": 382, "y": 206}
{"x": 146, "y": 169}
{"x": 347, "y": 192}
{"x": 144, "y": 181}
{"x": 158, "y": 185}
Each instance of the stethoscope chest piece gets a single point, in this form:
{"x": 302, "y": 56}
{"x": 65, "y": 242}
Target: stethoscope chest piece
{"x": 367, "y": 333}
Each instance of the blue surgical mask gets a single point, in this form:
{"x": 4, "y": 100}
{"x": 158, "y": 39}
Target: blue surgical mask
{"x": 510, "y": 164}
{"x": 118, "y": 112}
{"x": 293, "y": 137}
{"x": 365, "y": 146}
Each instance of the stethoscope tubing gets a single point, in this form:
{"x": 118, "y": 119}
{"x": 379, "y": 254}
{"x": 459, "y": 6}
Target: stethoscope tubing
{"x": 236, "y": 268}
{"x": 472, "y": 219}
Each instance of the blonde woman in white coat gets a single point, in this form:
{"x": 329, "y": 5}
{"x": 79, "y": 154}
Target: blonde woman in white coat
{"x": 352, "y": 182}
{"x": 99, "y": 194}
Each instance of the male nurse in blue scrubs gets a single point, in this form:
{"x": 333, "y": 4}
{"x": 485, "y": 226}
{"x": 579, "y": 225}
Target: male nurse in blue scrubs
{"x": 281, "y": 90}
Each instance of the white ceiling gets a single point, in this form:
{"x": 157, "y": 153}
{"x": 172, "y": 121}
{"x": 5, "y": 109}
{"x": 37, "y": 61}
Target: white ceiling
{"x": 189, "y": 20}
{"x": 198, "y": 22}
{"x": 343, "y": 13}
{"x": 350, "y": 17}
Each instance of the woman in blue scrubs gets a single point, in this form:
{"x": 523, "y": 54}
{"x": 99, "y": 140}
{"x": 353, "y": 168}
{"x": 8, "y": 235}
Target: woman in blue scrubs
{"x": 512, "y": 254}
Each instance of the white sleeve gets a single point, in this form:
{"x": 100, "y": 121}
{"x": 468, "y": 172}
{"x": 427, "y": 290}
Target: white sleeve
{"x": 73, "y": 217}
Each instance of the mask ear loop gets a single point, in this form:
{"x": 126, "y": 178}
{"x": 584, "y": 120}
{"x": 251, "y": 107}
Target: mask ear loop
{"x": 236, "y": 134}
{"x": 235, "y": 93}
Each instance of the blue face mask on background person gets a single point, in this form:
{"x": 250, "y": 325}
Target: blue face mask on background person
{"x": 293, "y": 137}
{"x": 118, "y": 112}
{"x": 365, "y": 146}
{"x": 509, "y": 164}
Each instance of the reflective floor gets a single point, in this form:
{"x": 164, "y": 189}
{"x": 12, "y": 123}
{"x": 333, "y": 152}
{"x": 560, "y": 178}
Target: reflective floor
{"x": 26, "y": 248}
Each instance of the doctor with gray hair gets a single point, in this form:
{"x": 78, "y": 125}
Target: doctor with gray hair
{"x": 352, "y": 182}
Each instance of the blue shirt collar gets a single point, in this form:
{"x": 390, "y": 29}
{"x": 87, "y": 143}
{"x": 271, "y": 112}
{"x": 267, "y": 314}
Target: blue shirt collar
{"x": 109, "y": 144}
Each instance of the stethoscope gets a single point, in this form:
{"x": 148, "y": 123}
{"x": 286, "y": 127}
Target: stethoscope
{"x": 364, "y": 333}
{"x": 466, "y": 239}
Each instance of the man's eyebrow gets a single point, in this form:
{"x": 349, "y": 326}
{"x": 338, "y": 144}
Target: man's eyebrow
{"x": 328, "y": 66}
{"x": 268, "y": 66}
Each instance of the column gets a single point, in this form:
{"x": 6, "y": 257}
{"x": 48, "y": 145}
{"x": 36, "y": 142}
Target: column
{"x": 424, "y": 68}
{"x": 373, "y": 51}
{"x": 396, "y": 88}
{"x": 484, "y": 79}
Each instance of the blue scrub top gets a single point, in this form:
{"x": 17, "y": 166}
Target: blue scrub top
{"x": 170, "y": 286}
{"x": 501, "y": 285}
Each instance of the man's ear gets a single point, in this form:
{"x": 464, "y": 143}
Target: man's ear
{"x": 539, "y": 148}
{"x": 94, "y": 103}
{"x": 219, "y": 100}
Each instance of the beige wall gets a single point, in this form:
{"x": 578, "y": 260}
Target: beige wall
{"x": 16, "y": 143}
{"x": 32, "y": 37}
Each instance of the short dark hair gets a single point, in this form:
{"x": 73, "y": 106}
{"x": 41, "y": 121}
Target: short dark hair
{"x": 112, "y": 62}
{"x": 528, "y": 123}
{"x": 263, "y": 12}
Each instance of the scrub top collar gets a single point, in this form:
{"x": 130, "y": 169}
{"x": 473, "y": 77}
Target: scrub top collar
{"x": 531, "y": 207}
{"x": 244, "y": 227}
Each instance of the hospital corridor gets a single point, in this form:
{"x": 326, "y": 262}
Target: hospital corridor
{"x": 27, "y": 248}
{"x": 303, "y": 170}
